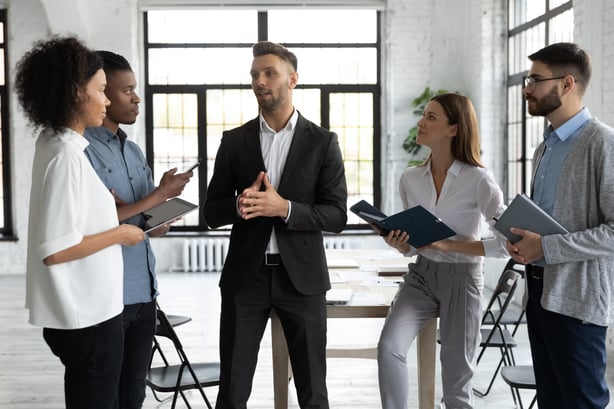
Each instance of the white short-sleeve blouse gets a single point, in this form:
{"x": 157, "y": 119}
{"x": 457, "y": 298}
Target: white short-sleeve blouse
{"x": 69, "y": 201}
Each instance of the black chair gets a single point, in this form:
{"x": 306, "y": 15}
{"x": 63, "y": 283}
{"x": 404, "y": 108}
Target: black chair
{"x": 184, "y": 375}
{"x": 495, "y": 335}
{"x": 520, "y": 377}
{"x": 513, "y": 317}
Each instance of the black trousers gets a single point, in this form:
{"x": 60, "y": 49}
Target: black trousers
{"x": 92, "y": 358}
{"x": 139, "y": 323}
{"x": 569, "y": 356}
{"x": 243, "y": 320}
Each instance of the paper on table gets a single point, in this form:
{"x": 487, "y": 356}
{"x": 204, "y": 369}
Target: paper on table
{"x": 368, "y": 299}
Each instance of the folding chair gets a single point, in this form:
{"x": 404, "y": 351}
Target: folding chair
{"x": 520, "y": 377}
{"x": 513, "y": 317}
{"x": 185, "y": 375}
{"x": 175, "y": 321}
{"x": 494, "y": 334}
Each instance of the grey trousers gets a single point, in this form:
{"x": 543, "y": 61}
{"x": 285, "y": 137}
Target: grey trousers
{"x": 431, "y": 289}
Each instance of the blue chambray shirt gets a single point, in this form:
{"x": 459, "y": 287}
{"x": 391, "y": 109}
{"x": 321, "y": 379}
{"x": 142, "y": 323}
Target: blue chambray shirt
{"x": 122, "y": 167}
{"x": 558, "y": 144}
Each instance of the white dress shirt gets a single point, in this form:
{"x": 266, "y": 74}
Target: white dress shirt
{"x": 275, "y": 147}
{"x": 468, "y": 194}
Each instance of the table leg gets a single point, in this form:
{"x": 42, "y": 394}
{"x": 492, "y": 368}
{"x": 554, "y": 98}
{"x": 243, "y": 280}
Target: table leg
{"x": 281, "y": 364}
{"x": 426, "y": 345}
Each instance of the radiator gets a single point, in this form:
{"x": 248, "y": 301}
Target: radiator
{"x": 209, "y": 254}
{"x": 334, "y": 242}
{"x": 204, "y": 254}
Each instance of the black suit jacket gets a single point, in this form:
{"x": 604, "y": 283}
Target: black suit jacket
{"x": 313, "y": 180}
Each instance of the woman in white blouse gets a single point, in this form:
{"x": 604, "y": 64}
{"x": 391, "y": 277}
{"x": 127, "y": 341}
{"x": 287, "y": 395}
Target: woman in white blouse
{"x": 74, "y": 262}
{"x": 446, "y": 279}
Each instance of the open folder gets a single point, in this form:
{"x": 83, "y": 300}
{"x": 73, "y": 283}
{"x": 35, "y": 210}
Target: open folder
{"x": 166, "y": 212}
{"x": 422, "y": 226}
{"x": 524, "y": 214}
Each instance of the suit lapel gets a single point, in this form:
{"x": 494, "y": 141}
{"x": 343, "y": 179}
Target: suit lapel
{"x": 252, "y": 142}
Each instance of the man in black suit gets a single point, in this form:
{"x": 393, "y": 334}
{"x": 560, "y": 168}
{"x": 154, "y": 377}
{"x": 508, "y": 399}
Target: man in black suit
{"x": 279, "y": 180}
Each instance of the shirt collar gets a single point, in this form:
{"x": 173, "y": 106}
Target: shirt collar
{"x": 454, "y": 169}
{"x": 291, "y": 125}
{"x": 570, "y": 126}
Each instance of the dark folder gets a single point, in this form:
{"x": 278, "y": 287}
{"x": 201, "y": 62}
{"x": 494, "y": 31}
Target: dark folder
{"x": 422, "y": 226}
{"x": 524, "y": 214}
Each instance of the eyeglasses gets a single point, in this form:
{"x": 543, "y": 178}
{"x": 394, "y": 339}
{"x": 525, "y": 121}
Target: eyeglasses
{"x": 531, "y": 82}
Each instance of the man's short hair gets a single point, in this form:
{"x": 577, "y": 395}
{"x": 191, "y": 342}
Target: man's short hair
{"x": 113, "y": 62}
{"x": 267, "y": 47}
{"x": 564, "y": 59}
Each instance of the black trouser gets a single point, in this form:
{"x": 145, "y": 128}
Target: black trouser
{"x": 569, "y": 356}
{"x": 139, "y": 328}
{"x": 243, "y": 321}
{"x": 92, "y": 358}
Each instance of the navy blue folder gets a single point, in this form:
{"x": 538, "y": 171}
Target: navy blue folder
{"x": 422, "y": 226}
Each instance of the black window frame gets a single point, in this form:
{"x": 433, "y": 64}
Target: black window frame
{"x": 200, "y": 91}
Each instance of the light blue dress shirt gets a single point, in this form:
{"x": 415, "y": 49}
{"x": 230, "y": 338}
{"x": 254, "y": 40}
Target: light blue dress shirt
{"x": 122, "y": 167}
{"x": 558, "y": 143}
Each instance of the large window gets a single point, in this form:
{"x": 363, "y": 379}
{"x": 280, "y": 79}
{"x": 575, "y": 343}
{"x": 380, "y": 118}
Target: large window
{"x": 6, "y": 228}
{"x": 533, "y": 24}
{"x": 197, "y": 85}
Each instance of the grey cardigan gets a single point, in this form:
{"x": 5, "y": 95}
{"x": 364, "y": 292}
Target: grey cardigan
{"x": 579, "y": 271}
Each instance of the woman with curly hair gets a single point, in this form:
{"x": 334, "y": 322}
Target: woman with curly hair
{"x": 74, "y": 261}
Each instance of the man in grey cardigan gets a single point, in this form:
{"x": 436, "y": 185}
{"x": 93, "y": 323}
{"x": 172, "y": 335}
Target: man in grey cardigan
{"x": 570, "y": 277}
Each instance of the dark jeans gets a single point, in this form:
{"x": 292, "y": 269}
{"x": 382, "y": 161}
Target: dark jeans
{"x": 92, "y": 358}
{"x": 139, "y": 327}
{"x": 569, "y": 357}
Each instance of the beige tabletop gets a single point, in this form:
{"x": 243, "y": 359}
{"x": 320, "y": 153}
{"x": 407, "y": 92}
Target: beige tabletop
{"x": 356, "y": 269}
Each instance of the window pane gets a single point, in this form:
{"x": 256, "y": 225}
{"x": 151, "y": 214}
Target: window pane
{"x": 175, "y": 137}
{"x": 522, "y": 45}
{"x": 555, "y": 3}
{"x": 202, "y": 26}
{"x": 226, "y": 109}
{"x": 337, "y": 65}
{"x": 561, "y": 28}
{"x": 297, "y": 26}
{"x": 522, "y": 11}
{"x": 199, "y": 66}
{"x": 307, "y": 102}
{"x": 351, "y": 117}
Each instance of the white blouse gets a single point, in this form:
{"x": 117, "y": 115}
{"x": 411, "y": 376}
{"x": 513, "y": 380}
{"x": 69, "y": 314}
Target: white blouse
{"x": 68, "y": 201}
{"x": 469, "y": 195}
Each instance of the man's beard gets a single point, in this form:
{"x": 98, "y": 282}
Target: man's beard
{"x": 545, "y": 106}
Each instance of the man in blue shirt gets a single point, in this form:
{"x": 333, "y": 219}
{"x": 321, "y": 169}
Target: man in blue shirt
{"x": 570, "y": 277}
{"x": 122, "y": 167}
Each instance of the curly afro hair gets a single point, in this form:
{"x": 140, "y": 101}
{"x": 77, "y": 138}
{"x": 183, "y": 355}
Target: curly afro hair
{"x": 49, "y": 77}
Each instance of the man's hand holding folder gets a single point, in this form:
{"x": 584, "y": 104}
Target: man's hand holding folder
{"x": 524, "y": 223}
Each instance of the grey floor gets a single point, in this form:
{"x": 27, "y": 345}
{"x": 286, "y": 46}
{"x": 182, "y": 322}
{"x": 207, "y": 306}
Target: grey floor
{"x": 31, "y": 378}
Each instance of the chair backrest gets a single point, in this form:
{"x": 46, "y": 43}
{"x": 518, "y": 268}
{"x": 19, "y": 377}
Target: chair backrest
{"x": 501, "y": 297}
{"x": 515, "y": 266}
{"x": 165, "y": 329}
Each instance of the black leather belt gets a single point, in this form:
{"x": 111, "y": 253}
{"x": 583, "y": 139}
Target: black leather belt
{"x": 535, "y": 272}
{"x": 272, "y": 259}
